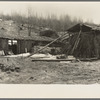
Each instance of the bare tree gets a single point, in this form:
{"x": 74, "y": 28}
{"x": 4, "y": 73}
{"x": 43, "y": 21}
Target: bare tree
{"x": 31, "y": 20}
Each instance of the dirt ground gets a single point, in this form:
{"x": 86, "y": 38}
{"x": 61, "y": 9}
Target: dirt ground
{"x": 48, "y": 72}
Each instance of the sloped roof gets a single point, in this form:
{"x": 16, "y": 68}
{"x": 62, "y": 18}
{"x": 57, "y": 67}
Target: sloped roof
{"x": 11, "y": 35}
{"x": 83, "y": 27}
{"x": 93, "y": 27}
{"x": 10, "y": 30}
{"x": 35, "y": 38}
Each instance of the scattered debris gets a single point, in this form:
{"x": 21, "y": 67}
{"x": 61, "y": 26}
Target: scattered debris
{"x": 63, "y": 56}
{"x": 43, "y": 56}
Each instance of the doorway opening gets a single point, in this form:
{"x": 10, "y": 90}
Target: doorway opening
{"x": 12, "y": 44}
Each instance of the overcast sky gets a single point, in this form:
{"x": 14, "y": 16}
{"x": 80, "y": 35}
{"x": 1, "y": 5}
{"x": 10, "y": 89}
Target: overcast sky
{"x": 84, "y": 10}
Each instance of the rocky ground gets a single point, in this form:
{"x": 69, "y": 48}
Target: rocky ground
{"x": 24, "y": 71}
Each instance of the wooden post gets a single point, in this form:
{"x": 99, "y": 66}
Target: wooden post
{"x": 96, "y": 46}
{"x": 77, "y": 40}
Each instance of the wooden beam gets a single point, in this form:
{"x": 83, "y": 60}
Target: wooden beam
{"x": 48, "y": 44}
{"x": 77, "y": 40}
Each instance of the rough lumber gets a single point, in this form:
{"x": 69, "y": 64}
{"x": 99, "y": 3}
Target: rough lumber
{"x": 50, "y": 60}
{"x": 48, "y": 44}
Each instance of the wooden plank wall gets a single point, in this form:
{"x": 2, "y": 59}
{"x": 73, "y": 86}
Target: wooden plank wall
{"x": 4, "y": 45}
{"x": 23, "y": 45}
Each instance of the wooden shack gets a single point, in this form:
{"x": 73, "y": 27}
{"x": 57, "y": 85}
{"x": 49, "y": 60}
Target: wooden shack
{"x": 83, "y": 41}
{"x": 21, "y": 44}
{"x": 15, "y": 39}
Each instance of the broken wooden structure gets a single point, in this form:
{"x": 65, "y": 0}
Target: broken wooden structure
{"x": 55, "y": 40}
{"x": 84, "y": 42}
